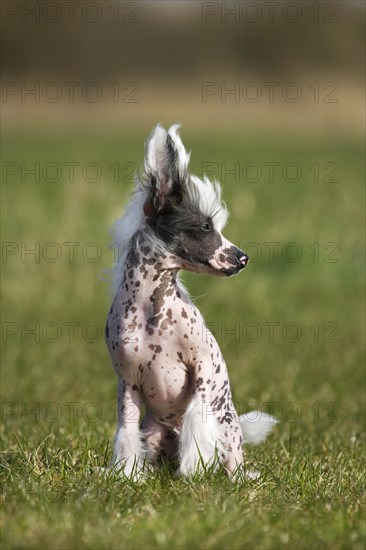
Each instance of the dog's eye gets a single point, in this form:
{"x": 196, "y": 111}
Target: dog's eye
{"x": 205, "y": 227}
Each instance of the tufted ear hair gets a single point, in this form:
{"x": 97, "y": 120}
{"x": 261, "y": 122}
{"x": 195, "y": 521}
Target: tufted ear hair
{"x": 166, "y": 166}
{"x": 183, "y": 156}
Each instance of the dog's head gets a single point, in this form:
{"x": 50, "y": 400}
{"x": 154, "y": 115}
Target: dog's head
{"x": 185, "y": 212}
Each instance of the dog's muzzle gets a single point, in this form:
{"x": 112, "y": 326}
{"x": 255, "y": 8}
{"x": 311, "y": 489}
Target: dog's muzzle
{"x": 236, "y": 260}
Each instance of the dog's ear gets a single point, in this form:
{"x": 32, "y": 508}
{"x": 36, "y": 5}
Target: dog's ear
{"x": 166, "y": 165}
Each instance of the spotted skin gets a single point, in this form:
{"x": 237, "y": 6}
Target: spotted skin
{"x": 163, "y": 355}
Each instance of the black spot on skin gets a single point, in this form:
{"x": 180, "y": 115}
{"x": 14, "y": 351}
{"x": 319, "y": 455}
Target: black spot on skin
{"x": 143, "y": 271}
{"x": 107, "y": 330}
{"x": 153, "y": 322}
{"x": 184, "y": 313}
{"x": 168, "y": 320}
{"x": 157, "y": 297}
{"x": 135, "y": 388}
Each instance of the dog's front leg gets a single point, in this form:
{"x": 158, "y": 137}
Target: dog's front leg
{"x": 129, "y": 453}
{"x": 200, "y": 439}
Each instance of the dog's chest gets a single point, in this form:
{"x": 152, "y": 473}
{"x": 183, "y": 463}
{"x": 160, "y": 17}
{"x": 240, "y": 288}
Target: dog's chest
{"x": 157, "y": 338}
{"x": 141, "y": 331}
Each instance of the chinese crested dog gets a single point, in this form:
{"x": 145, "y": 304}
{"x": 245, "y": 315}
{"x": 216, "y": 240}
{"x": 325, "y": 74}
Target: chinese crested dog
{"x": 164, "y": 355}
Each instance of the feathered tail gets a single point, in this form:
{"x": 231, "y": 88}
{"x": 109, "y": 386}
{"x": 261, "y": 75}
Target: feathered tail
{"x": 255, "y": 426}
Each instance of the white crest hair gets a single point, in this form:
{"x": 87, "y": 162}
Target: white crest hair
{"x": 209, "y": 200}
{"x": 203, "y": 191}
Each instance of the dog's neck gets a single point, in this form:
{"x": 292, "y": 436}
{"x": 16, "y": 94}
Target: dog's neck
{"x": 149, "y": 277}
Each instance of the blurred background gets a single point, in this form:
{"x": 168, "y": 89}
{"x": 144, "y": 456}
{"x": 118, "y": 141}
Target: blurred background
{"x": 270, "y": 96}
{"x": 125, "y": 65}
{"x": 271, "y": 101}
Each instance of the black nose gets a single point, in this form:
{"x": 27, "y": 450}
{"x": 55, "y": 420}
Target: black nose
{"x": 242, "y": 258}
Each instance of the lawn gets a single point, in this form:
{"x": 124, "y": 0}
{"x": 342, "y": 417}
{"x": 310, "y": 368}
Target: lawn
{"x": 290, "y": 328}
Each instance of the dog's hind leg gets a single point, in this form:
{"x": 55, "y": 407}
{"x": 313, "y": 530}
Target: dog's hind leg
{"x": 129, "y": 452}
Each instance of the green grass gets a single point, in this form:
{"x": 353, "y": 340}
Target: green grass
{"x": 59, "y": 396}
